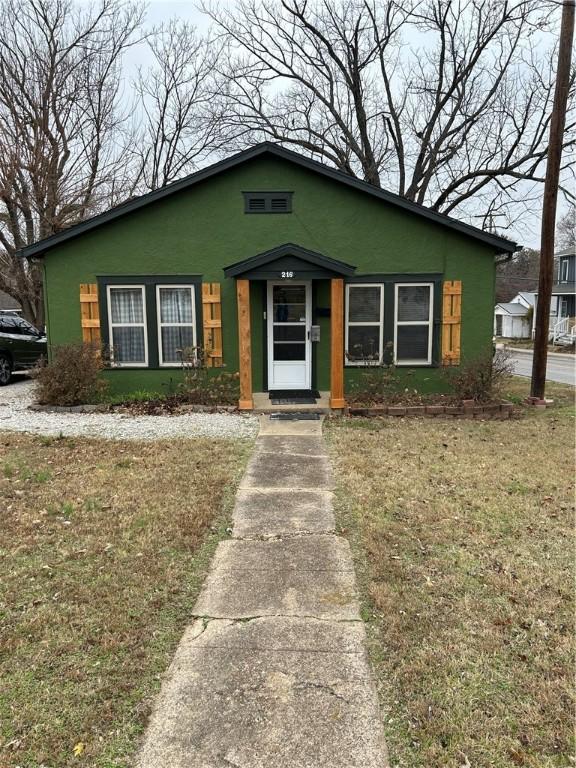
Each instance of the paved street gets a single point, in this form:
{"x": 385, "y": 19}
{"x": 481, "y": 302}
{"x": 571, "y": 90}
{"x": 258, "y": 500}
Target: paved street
{"x": 560, "y": 368}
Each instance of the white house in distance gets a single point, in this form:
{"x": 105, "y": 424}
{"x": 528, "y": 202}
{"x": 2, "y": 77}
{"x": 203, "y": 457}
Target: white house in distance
{"x": 513, "y": 319}
{"x": 563, "y": 300}
{"x": 516, "y": 319}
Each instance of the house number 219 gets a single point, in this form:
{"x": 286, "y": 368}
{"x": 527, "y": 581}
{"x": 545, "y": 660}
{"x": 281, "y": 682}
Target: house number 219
{"x": 286, "y": 275}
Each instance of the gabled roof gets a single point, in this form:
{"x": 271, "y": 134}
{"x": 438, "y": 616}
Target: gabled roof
{"x": 289, "y": 249}
{"x": 500, "y": 244}
{"x": 513, "y": 308}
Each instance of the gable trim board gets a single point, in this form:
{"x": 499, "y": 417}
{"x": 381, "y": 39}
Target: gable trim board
{"x": 38, "y": 249}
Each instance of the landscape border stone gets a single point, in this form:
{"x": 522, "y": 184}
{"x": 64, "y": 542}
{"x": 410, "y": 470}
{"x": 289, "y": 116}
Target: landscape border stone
{"x": 468, "y": 410}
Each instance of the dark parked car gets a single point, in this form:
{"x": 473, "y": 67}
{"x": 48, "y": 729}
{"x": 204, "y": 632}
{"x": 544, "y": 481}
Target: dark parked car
{"x": 21, "y": 346}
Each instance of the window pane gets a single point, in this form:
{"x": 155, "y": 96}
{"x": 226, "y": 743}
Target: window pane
{"x": 289, "y": 333}
{"x": 176, "y": 305}
{"x": 413, "y": 302}
{"x": 175, "y": 339}
{"x": 289, "y": 313}
{"x": 126, "y": 305}
{"x": 364, "y": 304}
{"x": 128, "y": 345}
{"x": 291, "y": 294}
{"x": 412, "y": 342}
{"x": 289, "y": 303}
{"x": 364, "y": 342}
{"x": 289, "y": 352}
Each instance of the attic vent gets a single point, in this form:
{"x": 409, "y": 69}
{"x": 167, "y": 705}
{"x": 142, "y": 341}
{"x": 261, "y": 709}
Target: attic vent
{"x": 267, "y": 202}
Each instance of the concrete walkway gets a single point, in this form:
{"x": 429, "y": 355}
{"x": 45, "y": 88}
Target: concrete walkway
{"x": 273, "y": 672}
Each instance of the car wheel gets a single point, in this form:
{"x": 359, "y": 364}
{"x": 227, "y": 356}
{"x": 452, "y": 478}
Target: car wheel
{"x": 5, "y": 370}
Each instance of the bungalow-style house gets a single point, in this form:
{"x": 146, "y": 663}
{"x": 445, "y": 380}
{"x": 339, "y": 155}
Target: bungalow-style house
{"x": 513, "y": 319}
{"x": 293, "y": 274}
{"x": 563, "y": 300}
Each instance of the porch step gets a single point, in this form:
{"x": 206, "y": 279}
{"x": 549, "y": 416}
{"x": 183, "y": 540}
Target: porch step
{"x": 263, "y": 404}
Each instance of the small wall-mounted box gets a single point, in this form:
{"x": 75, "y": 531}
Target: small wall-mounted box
{"x": 315, "y": 333}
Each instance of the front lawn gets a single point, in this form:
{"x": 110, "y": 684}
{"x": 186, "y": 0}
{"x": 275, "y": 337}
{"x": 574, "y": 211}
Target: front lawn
{"x": 103, "y": 548}
{"x": 463, "y": 538}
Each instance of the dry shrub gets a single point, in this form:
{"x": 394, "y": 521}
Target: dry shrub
{"x": 202, "y": 385}
{"x": 481, "y": 378}
{"x": 72, "y": 375}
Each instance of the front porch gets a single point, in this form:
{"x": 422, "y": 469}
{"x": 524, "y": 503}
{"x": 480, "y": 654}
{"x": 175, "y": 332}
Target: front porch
{"x": 290, "y": 304}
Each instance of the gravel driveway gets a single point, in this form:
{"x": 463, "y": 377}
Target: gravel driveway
{"x": 15, "y": 416}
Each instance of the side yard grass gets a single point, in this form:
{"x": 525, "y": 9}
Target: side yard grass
{"x": 103, "y": 548}
{"x": 463, "y": 538}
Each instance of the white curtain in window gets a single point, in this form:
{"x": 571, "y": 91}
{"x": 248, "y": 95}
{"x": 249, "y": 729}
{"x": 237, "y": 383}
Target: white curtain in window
{"x": 128, "y": 333}
{"x": 176, "y": 305}
{"x": 176, "y": 311}
{"x": 126, "y": 305}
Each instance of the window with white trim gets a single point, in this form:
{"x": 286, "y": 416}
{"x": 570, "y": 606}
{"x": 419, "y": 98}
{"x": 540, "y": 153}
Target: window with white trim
{"x": 127, "y": 325}
{"x": 364, "y": 323}
{"x": 413, "y": 323}
{"x": 176, "y": 323}
{"x": 564, "y": 268}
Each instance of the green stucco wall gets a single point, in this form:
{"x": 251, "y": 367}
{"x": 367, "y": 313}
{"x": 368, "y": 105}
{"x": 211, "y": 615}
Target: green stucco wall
{"x": 203, "y": 229}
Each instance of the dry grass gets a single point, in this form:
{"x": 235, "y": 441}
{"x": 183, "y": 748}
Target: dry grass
{"x": 103, "y": 548}
{"x": 463, "y": 534}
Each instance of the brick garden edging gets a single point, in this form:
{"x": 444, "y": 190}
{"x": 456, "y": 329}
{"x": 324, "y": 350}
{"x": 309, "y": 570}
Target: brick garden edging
{"x": 468, "y": 410}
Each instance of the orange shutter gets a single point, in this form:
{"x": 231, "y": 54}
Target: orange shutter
{"x": 90, "y": 313}
{"x": 451, "y": 322}
{"x": 212, "y": 323}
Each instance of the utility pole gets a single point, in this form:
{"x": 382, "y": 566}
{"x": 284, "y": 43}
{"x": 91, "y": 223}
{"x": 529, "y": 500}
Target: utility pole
{"x": 557, "y": 123}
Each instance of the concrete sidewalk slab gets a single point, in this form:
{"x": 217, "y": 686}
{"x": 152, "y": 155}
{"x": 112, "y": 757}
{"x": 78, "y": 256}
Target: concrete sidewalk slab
{"x": 295, "y": 445}
{"x": 264, "y": 512}
{"x": 246, "y": 594}
{"x": 277, "y": 633}
{"x": 308, "y": 553}
{"x": 288, "y": 693}
{"x": 270, "y": 426}
{"x": 273, "y": 671}
{"x": 270, "y": 470}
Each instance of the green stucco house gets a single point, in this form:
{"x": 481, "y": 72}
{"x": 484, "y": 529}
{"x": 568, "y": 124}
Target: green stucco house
{"x": 292, "y": 273}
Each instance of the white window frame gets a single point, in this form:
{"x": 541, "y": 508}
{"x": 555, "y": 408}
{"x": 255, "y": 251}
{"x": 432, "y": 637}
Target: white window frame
{"x": 564, "y": 270}
{"x": 111, "y": 325}
{"x": 192, "y": 288}
{"x": 429, "y": 323}
{"x": 379, "y": 323}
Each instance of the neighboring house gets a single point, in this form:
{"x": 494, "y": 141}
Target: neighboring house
{"x": 563, "y": 301}
{"x": 289, "y": 272}
{"x": 513, "y": 319}
{"x": 8, "y": 304}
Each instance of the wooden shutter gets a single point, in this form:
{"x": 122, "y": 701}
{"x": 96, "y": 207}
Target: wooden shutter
{"x": 212, "y": 322}
{"x": 451, "y": 322}
{"x": 90, "y": 313}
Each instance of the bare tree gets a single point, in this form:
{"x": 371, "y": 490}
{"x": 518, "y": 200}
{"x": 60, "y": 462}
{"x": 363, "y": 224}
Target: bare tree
{"x": 59, "y": 121}
{"x": 566, "y": 228}
{"x": 445, "y": 101}
{"x": 177, "y": 123}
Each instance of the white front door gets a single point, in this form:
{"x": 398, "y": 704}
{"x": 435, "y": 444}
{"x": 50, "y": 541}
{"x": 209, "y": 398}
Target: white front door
{"x": 289, "y": 351}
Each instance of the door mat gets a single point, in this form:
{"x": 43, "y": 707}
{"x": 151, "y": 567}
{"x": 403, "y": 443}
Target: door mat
{"x": 293, "y": 401}
{"x": 290, "y": 394}
{"x": 294, "y": 416}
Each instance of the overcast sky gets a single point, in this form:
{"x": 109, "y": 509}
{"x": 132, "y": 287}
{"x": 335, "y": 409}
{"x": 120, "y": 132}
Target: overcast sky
{"x": 159, "y": 11}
